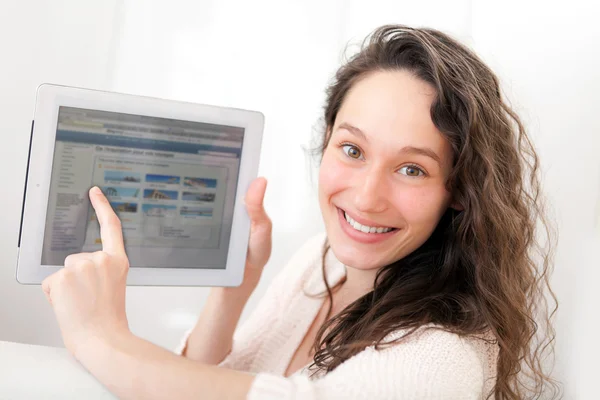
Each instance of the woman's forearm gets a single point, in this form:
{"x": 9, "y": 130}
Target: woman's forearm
{"x": 212, "y": 337}
{"x": 133, "y": 368}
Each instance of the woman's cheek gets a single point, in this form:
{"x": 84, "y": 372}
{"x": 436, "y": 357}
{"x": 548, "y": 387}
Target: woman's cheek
{"x": 333, "y": 175}
{"x": 420, "y": 204}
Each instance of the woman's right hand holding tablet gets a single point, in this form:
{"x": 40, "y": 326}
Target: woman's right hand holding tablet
{"x": 259, "y": 244}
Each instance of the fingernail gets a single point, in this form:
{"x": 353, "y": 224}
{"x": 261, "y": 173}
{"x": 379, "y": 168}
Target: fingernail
{"x": 96, "y": 190}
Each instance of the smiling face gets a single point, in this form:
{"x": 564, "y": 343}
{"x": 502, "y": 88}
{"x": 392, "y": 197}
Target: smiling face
{"x": 382, "y": 177}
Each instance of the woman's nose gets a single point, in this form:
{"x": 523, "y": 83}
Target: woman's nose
{"x": 371, "y": 192}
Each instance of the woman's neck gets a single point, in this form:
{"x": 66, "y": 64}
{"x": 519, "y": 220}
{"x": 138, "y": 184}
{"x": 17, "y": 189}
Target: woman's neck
{"x": 357, "y": 283}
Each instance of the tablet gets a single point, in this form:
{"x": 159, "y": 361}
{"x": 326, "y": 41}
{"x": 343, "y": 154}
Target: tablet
{"x": 175, "y": 173}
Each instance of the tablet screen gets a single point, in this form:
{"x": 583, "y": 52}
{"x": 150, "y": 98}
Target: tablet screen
{"x": 171, "y": 182}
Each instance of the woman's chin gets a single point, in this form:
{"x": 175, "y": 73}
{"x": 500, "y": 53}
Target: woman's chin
{"x": 352, "y": 257}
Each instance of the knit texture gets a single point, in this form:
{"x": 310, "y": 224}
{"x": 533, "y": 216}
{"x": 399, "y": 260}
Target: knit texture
{"x": 429, "y": 364}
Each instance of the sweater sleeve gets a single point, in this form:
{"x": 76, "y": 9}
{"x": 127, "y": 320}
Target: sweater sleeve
{"x": 247, "y": 338}
{"x": 429, "y": 365}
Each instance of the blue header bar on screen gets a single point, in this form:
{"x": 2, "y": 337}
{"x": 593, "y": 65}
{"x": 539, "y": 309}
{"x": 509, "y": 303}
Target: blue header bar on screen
{"x": 141, "y": 143}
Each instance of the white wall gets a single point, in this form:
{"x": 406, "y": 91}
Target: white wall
{"x": 277, "y": 57}
{"x": 67, "y": 42}
{"x": 548, "y": 57}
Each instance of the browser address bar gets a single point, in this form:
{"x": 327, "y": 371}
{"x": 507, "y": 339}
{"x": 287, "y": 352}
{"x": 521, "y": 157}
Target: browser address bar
{"x": 94, "y": 127}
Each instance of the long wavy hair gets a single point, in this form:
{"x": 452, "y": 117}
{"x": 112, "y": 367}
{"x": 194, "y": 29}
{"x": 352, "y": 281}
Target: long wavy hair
{"x": 484, "y": 269}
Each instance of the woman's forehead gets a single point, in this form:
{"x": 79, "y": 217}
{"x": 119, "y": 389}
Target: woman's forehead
{"x": 390, "y": 99}
{"x": 392, "y": 109}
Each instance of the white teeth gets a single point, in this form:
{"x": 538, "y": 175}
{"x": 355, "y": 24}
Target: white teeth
{"x": 364, "y": 228}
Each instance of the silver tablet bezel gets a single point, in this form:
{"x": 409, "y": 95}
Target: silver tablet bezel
{"x": 50, "y": 98}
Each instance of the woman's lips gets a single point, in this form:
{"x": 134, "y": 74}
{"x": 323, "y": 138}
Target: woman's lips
{"x": 359, "y": 236}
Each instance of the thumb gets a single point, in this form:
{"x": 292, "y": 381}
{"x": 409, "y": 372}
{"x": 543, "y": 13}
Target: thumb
{"x": 254, "y": 201}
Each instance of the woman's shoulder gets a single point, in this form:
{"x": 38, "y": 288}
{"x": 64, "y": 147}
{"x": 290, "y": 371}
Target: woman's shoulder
{"x": 444, "y": 364}
{"x": 429, "y": 343}
{"x": 434, "y": 334}
{"x": 482, "y": 347}
{"x": 475, "y": 355}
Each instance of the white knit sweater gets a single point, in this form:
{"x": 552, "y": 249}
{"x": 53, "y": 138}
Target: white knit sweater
{"x": 430, "y": 364}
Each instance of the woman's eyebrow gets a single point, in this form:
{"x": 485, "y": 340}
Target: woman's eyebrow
{"x": 410, "y": 150}
{"x": 353, "y": 130}
{"x": 423, "y": 151}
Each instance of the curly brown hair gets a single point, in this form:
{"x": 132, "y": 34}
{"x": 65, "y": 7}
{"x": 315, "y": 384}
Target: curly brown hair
{"x": 483, "y": 269}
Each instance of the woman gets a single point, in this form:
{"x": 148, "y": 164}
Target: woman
{"x": 424, "y": 286}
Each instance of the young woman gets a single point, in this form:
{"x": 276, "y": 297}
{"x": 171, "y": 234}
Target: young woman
{"x": 424, "y": 286}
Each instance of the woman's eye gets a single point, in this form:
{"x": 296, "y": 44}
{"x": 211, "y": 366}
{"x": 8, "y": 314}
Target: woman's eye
{"x": 411, "y": 170}
{"x": 352, "y": 151}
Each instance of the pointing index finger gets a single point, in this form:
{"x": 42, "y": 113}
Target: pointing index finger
{"x": 110, "y": 226}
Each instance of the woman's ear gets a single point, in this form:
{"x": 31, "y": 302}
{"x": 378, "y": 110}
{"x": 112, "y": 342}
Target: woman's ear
{"x": 456, "y": 206}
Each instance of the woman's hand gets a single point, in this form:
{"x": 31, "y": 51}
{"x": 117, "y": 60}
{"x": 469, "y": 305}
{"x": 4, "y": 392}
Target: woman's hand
{"x": 88, "y": 294}
{"x": 259, "y": 245}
